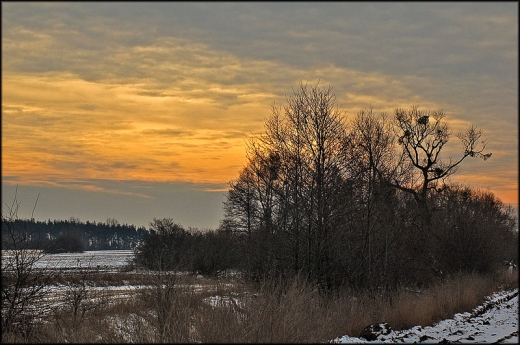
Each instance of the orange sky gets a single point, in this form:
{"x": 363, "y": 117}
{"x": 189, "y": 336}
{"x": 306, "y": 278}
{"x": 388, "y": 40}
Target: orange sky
{"x": 87, "y": 97}
{"x": 60, "y": 127}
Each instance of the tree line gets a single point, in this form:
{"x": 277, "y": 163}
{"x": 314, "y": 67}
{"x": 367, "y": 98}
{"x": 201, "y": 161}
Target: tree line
{"x": 73, "y": 235}
{"x": 366, "y": 203}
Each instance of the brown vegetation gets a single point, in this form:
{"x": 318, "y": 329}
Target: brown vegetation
{"x": 176, "y": 309}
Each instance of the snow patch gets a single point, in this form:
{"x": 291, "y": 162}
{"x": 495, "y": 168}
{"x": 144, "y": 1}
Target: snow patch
{"x": 495, "y": 321}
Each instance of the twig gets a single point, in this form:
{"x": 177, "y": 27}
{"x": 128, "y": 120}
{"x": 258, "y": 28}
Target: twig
{"x": 34, "y": 208}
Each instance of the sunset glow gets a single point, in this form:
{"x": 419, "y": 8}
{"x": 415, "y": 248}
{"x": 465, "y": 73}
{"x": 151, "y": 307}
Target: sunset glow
{"x": 87, "y": 96}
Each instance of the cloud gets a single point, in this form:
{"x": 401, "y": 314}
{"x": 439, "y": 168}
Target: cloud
{"x": 172, "y": 91}
{"x": 84, "y": 185}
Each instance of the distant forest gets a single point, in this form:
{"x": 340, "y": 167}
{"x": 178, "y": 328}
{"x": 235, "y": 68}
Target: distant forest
{"x": 79, "y": 236}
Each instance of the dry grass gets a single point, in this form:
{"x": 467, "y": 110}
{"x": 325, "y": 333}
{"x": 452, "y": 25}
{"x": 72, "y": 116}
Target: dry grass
{"x": 407, "y": 308}
{"x": 270, "y": 315}
{"x": 171, "y": 311}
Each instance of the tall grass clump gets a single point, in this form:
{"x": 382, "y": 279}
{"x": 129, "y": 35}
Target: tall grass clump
{"x": 276, "y": 312}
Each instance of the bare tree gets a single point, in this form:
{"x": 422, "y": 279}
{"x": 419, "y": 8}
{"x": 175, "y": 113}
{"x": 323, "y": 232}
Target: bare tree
{"x": 25, "y": 286}
{"x": 422, "y": 136}
{"x": 420, "y": 171}
{"x": 240, "y": 207}
{"x": 339, "y": 203}
{"x": 371, "y": 150}
{"x": 296, "y": 171}
{"x": 162, "y": 247}
{"x": 475, "y": 232}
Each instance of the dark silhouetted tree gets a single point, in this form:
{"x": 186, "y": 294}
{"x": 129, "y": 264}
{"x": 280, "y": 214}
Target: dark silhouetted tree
{"x": 162, "y": 248}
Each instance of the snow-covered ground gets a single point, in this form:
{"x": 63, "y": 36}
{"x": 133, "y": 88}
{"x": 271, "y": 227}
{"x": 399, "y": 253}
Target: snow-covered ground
{"x": 102, "y": 259}
{"x": 496, "y": 321}
{"x": 106, "y": 260}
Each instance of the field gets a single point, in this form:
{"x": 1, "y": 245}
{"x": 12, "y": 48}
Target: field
{"x": 104, "y": 260}
{"x": 97, "y": 297}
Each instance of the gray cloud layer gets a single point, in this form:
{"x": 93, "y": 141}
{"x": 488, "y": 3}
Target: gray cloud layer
{"x": 465, "y": 50}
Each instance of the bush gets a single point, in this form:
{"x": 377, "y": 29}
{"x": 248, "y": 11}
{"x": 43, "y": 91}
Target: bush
{"x": 161, "y": 248}
{"x": 473, "y": 231}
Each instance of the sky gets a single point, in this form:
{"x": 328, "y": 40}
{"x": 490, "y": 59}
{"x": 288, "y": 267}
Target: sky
{"x": 142, "y": 110}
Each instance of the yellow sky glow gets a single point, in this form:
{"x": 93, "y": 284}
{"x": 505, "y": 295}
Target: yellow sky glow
{"x": 59, "y": 126}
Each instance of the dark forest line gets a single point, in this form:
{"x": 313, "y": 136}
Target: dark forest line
{"x": 75, "y": 236}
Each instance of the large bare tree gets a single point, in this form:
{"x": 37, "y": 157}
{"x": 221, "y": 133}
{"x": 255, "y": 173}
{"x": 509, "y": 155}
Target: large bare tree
{"x": 422, "y": 136}
{"x": 372, "y": 150}
{"x": 294, "y": 173}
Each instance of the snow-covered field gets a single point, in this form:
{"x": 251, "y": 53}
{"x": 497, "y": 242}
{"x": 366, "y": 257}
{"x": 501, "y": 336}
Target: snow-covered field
{"x": 105, "y": 260}
{"x": 496, "y": 321}
{"x": 102, "y": 259}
